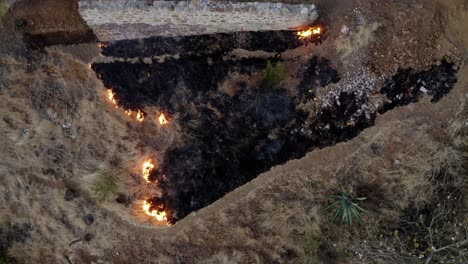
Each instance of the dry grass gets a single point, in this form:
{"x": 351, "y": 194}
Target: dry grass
{"x": 276, "y": 218}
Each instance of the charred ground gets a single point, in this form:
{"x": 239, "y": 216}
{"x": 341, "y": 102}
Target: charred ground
{"x": 229, "y": 139}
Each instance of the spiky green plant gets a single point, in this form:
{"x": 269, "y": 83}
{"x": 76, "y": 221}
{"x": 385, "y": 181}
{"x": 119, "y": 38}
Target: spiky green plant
{"x": 347, "y": 208}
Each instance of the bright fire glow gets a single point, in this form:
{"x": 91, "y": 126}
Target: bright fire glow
{"x": 312, "y": 31}
{"x": 148, "y": 168}
{"x": 139, "y": 116}
{"x": 163, "y": 120}
{"x": 111, "y": 97}
{"x": 160, "y": 216}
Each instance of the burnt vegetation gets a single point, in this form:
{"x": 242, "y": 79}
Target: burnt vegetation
{"x": 230, "y": 139}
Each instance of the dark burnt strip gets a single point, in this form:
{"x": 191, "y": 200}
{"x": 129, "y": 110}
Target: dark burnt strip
{"x": 219, "y": 43}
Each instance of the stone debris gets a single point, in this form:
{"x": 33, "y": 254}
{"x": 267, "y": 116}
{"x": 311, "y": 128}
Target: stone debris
{"x": 344, "y": 29}
{"x": 66, "y": 125}
{"x": 24, "y": 132}
{"x": 132, "y": 19}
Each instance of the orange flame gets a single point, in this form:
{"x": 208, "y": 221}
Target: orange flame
{"x": 163, "y": 120}
{"x": 111, "y": 97}
{"x": 148, "y": 167}
{"x": 312, "y": 31}
{"x": 139, "y": 116}
{"x": 160, "y": 216}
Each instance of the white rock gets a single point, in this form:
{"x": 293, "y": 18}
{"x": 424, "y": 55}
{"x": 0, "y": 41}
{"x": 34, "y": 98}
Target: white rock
{"x": 304, "y": 11}
{"x": 344, "y": 29}
{"x": 313, "y": 16}
{"x": 66, "y": 125}
{"x": 423, "y": 89}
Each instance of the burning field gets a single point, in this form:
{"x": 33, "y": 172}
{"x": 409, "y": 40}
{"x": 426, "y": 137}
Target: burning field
{"x": 333, "y": 142}
{"x": 229, "y": 136}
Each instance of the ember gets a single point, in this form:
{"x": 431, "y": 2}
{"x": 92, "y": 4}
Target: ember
{"x": 163, "y": 120}
{"x": 148, "y": 167}
{"x": 159, "y": 215}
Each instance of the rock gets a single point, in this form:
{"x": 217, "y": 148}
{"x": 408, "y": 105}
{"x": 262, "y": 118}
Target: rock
{"x": 66, "y": 125}
{"x": 24, "y": 132}
{"x": 397, "y": 162}
{"x": 88, "y": 219}
{"x": 50, "y": 114}
{"x": 69, "y": 195}
{"x": 313, "y": 16}
{"x": 344, "y": 29}
{"x": 276, "y": 11}
{"x": 423, "y": 89}
{"x": 304, "y": 11}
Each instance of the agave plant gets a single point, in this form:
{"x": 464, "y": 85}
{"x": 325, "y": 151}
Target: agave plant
{"x": 347, "y": 208}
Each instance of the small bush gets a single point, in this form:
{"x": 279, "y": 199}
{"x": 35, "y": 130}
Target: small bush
{"x": 273, "y": 75}
{"x": 346, "y": 208}
{"x": 104, "y": 187}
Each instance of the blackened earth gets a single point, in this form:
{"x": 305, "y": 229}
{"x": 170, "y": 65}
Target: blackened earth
{"x": 230, "y": 140}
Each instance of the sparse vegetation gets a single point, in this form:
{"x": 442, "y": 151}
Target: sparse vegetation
{"x": 4, "y": 259}
{"x": 104, "y": 187}
{"x": 346, "y": 208}
{"x": 4, "y": 5}
{"x": 273, "y": 75}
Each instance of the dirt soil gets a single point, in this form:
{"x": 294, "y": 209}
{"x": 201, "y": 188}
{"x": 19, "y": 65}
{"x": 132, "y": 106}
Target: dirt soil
{"x": 59, "y": 135}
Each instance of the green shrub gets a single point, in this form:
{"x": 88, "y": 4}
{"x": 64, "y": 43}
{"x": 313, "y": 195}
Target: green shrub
{"x": 273, "y": 75}
{"x": 346, "y": 208}
{"x": 104, "y": 187}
